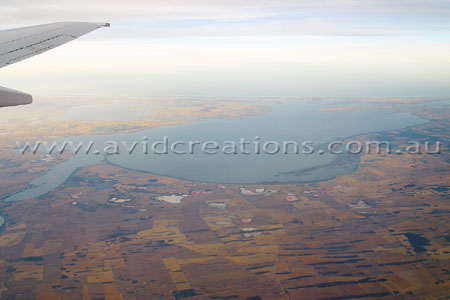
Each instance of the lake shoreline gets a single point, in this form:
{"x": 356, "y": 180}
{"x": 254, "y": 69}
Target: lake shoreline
{"x": 332, "y": 167}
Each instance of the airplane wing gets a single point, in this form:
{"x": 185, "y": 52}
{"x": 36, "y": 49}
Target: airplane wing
{"x": 22, "y": 43}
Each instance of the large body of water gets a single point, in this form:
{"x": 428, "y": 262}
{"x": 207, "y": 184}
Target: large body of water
{"x": 292, "y": 121}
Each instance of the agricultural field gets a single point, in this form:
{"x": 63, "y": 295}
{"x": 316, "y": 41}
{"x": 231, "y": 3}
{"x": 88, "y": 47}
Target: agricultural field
{"x": 380, "y": 232}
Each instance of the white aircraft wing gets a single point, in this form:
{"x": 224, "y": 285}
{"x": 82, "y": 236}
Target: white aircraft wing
{"x": 22, "y": 43}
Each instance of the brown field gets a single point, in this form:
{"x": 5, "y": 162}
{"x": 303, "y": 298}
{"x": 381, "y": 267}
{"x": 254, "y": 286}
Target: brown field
{"x": 381, "y": 232}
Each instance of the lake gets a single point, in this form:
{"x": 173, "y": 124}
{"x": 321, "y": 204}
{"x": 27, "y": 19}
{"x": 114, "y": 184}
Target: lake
{"x": 297, "y": 121}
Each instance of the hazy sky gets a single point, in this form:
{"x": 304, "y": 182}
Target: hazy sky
{"x": 335, "y": 48}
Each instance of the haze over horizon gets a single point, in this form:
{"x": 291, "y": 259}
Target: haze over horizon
{"x": 340, "y": 48}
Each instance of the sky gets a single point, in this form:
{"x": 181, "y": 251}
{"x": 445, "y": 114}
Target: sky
{"x": 315, "y": 48}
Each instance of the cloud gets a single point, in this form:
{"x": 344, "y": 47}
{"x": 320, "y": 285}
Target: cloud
{"x": 181, "y": 18}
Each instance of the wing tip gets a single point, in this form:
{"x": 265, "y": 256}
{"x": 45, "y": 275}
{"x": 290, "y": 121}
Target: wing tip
{"x": 9, "y": 97}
